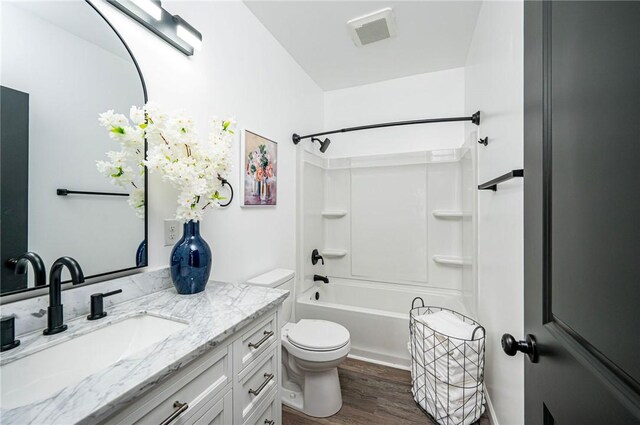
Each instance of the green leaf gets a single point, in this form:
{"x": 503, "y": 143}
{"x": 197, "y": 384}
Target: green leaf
{"x": 119, "y": 173}
{"x": 144, "y": 125}
{"x": 117, "y": 130}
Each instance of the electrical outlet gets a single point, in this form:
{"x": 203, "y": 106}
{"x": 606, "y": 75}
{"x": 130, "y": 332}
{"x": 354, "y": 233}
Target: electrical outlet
{"x": 171, "y": 228}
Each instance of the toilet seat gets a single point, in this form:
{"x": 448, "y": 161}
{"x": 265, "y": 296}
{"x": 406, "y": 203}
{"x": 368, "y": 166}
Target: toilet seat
{"x": 318, "y": 335}
{"x": 316, "y": 340}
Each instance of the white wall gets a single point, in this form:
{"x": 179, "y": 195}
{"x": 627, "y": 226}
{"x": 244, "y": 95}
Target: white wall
{"x": 243, "y": 71}
{"x": 70, "y": 80}
{"x": 494, "y": 84}
{"x": 431, "y": 95}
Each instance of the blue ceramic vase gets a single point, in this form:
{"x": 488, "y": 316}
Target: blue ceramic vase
{"x": 190, "y": 261}
{"x": 141, "y": 254}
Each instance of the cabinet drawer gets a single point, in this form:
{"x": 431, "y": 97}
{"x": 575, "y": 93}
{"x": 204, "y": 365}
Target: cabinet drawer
{"x": 255, "y": 341}
{"x": 268, "y": 413}
{"x": 256, "y": 384}
{"x": 219, "y": 414}
{"x": 197, "y": 384}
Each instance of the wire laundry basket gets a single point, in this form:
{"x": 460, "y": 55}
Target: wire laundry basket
{"x": 447, "y": 373}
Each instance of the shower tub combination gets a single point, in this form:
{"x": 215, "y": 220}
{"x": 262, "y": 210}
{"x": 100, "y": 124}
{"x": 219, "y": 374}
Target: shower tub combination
{"x": 376, "y": 314}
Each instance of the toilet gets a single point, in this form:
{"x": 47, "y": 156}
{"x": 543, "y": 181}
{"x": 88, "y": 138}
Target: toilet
{"x": 311, "y": 352}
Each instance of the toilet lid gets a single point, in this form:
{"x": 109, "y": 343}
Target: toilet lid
{"x": 318, "y": 335}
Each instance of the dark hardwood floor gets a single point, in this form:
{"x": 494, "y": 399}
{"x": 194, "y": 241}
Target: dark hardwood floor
{"x": 371, "y": 394}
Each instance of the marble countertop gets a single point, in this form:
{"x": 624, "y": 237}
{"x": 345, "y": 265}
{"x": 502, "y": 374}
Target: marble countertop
{"x": 212, "y": 316}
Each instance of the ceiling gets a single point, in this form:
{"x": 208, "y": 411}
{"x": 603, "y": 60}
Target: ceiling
{"x": 431, "y": 36}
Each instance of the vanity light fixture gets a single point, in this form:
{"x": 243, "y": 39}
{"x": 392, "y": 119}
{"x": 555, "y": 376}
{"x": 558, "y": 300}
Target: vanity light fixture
{"x": 188, "y": 33}
{"x": 171, "y": 28}
{"x": 150, "y": 8}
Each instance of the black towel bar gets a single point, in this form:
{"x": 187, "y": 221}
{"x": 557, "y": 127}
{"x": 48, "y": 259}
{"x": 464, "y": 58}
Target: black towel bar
{"x": 65, "y": 192}
{"x": 493, "y": 184}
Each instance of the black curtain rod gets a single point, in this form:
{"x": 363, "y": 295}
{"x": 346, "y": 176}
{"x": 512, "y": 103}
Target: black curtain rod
{"x": 475, "y": 119}
{"x": 65, "y": 192}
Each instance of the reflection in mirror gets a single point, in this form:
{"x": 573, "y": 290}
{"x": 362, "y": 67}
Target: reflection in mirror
{"x": 62, "y": 64}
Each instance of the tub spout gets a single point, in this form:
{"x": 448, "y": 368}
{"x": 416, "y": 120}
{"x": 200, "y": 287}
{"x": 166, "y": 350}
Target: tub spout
{"x": 317, "y": 278}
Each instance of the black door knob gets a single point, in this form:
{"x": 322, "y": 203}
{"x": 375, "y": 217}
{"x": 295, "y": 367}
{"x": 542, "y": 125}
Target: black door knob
{"x": 511, "y": 346}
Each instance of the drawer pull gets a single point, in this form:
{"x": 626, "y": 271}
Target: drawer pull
{"x": 269, "y": 422}
{"x": 269, "y": 377}
{"x": 180, "y": 408}
{"x": 267, "y": 335}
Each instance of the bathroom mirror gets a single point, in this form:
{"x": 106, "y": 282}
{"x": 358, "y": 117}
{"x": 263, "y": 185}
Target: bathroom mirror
{"x": 61, "y": 65}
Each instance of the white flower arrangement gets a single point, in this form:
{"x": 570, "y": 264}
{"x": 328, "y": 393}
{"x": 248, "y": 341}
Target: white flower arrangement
{"x": 193, "y": 167}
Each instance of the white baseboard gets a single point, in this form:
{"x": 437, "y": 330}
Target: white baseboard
{"x": 380, "y": 362}
{"x": 492, "y": 413}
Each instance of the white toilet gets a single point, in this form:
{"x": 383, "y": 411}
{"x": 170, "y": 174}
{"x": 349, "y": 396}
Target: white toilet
{"x": 311, "y": 353}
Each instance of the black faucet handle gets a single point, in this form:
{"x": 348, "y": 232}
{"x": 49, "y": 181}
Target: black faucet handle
{"x": 315, "y": 256}
{"x": 8, "y": 333}
{"x": 97, "y": 304}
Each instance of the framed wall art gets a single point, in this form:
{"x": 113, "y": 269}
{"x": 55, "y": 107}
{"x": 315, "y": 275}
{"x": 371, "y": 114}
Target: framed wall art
{"x": 259, "y": 164}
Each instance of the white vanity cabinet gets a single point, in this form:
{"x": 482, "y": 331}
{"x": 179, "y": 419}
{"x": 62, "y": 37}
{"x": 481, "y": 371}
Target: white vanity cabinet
{"x": 235, "y": 383}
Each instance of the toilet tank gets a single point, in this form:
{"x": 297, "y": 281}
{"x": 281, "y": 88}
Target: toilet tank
{"x": 280, "y": 279}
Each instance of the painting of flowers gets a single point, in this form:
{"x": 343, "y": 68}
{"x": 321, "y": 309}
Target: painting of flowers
{"x": 260, "y": 166}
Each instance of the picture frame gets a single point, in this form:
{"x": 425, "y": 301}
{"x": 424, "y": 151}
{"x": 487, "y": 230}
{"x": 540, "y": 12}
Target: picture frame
{"x": 258, "y": 170}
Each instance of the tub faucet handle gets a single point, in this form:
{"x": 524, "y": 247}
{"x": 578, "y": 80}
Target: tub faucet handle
{"x": 315, "y": 256}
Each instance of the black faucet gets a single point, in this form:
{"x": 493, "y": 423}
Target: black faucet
{"x": 39, "y": 270}
{"x": 315, "y": 256}
{"x": 324, "y": 279}
{"x": 55, "y": 320}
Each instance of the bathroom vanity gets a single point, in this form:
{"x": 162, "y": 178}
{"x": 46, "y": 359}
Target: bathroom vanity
{"x": 162, "y": 358}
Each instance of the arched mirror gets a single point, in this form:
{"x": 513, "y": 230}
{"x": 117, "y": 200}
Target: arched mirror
{"x": 63, "y": 64}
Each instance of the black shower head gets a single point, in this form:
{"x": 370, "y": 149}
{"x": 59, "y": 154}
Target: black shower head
{"x": 323, "y": 145}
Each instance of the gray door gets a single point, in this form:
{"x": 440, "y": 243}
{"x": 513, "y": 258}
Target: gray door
{"x": 582, "y": 212}
{"x": 14, "y": 183}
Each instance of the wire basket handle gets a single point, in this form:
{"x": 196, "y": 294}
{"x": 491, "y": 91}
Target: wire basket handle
{"x": 414, "y": 301}
{"x": 473, "y": 335}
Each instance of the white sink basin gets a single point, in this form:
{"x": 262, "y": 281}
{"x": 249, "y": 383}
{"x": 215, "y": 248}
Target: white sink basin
{"x": 45, "y": 372}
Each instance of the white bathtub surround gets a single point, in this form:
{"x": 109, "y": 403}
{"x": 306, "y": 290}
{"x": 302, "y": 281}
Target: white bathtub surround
{"x": 31, "y": 313}
{"x": 391, "y": 244}
{"x": 210, "y": 317}
{"x": 376, "y": 314}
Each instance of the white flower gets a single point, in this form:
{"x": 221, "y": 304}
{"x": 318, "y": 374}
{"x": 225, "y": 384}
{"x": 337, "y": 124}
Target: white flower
{"x": 136, "y": 201}
{"x": 137, "y": 115}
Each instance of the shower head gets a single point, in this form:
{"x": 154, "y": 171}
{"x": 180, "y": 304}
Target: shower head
{"x": 323, "y": 145}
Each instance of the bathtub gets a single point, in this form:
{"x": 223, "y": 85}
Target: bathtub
{"x": 376, "y": 314}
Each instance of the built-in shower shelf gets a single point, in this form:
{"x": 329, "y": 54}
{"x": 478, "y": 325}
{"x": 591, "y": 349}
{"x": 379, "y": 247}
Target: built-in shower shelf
{"x": 334, "y": 213}
{"x": 451, "y": 214}
{"x": 334, "y": 253}
{"x": 451, "y": 260}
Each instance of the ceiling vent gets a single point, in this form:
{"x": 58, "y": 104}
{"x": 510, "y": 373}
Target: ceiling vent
{"x": 373, "y": 27}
